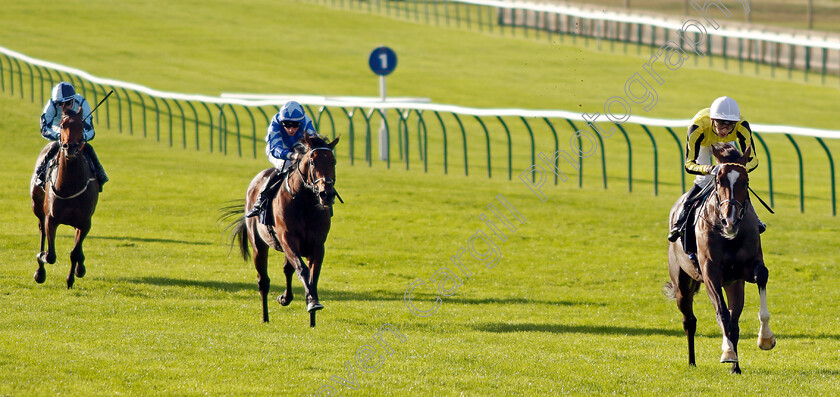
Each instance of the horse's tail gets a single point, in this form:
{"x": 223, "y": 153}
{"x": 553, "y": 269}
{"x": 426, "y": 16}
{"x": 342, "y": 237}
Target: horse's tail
{"x": 669, "y": 290}
{"x": 237, "y": 230}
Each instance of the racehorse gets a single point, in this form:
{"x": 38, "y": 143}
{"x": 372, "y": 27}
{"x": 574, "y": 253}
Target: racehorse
{"x": 729, "y": 253}
{"x": 300, "y": 214}
{"x": 69, "y": 197}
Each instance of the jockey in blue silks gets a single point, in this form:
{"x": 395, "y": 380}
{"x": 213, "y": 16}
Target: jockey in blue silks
{"x": 285, "y": 131}
{"x": 64, "y": 97}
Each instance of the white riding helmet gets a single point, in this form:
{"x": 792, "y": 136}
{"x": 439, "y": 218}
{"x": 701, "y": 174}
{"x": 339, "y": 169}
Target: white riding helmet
{"x": 291, "y": 111}
{"x": 725, "y": 108}
{"x": 63, "y": 92}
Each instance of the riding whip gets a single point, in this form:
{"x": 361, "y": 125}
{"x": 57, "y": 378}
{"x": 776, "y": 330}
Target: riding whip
{"x": 762, "y": 201}
{"x": 97, "y": 105}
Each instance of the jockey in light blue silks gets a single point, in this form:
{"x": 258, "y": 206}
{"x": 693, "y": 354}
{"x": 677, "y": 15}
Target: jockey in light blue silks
{"x": 285, "y": 131}
{"x": 63, "y": 97}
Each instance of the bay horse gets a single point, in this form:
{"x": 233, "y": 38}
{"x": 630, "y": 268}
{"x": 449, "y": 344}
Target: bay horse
{"x": 69, "y": 196}
{"x": 728, "y": 252}
{"x": 301, "y": 215}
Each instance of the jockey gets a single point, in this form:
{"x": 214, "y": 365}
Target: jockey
{"x": 720, "y": 123}
{"x": 64, "y": 97}
{"x": 285, "y": 131}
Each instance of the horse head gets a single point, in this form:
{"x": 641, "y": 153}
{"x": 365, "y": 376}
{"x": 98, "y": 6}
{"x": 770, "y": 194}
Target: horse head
{"x": 72, "y": 136}
{"x": 731, "y": 182}
{"x": 319, "y": 162}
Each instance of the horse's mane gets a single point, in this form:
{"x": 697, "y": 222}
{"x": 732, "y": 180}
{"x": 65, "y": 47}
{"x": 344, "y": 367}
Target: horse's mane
{"x": 728, "y": 152}
{"x": 72, "y": 113}
{"x": 316, "y": 141}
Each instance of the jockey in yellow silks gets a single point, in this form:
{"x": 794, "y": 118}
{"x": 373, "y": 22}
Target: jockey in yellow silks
{"x": 720, "y": 123}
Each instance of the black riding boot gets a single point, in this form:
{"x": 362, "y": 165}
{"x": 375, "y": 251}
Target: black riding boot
{"x": 267, "y": 193}
{"x": 676, "y": 230}
{"x": 101, "y": 176}
{"x": 41, "y": 168}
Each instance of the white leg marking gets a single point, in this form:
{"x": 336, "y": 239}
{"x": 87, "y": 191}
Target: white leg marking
{"x": 764, "y": 316}
{"x": 727, "y": 345}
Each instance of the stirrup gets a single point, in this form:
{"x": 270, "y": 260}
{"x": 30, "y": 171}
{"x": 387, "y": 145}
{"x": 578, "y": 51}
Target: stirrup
{"x": 693, "y": 258}
{"x": 761, "y": 227}
{"x": 255, "y": 210}
{"x": 674, "y": 235}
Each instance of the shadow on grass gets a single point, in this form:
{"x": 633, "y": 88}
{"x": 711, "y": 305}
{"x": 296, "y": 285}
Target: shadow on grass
{"x": 145, "y": 240}
{"x": 580, "y": 329}
{"x": 618, "y": 330}
{"x": 326, "y": 295}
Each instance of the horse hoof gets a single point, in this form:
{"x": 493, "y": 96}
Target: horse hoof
{"x": 729, "y": 357}
{"x": 80, "y": 270}
{"x": 767, "y": 343}
{"x": 282, "y": 300}
{"x": 314, "y": 306}
{"x": 70, "y": 283}
{"x": 40, "y": 275}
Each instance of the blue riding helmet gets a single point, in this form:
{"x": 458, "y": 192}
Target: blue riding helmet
{"x": 291, "y": 111}
{"x": 63, "y": 92}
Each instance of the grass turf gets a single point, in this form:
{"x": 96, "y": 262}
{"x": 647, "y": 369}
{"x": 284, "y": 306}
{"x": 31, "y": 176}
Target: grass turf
{"x": 573, "y": 305}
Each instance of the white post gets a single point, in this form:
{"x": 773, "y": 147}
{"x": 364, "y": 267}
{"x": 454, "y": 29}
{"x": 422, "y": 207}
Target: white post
{"x": 383, "y": 136}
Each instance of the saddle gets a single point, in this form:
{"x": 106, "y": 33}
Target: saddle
{"x": 275, "y": 179}
{"x": 689, "y": 242}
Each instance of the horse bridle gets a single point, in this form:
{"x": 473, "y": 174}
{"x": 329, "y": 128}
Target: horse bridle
{"x": 313, "y": 185}
{"x": 741, "y": 205}
{"x": 65, "y": 147}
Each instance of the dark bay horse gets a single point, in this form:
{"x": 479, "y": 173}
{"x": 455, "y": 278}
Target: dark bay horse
{"x": 69, "y": 197}
{"x": 728, "y": 252}
{"x": 301, "y": 215}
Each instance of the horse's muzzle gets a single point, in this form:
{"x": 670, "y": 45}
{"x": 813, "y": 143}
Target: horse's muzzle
{"x": 327, "y": 197}
{"x": 72, "y": 150}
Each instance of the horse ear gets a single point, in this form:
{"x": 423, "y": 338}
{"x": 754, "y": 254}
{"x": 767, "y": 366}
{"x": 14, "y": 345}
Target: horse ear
{"x": 747, "y": 154}
{"x": 306, "y": 139}
{"x": 332, "y": 144}
{"x": 717, "y": 151}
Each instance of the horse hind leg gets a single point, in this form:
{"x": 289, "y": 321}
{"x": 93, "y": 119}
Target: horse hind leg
{"x": 263, "y": 281}
{"x": 684, "y": 294}
{"x": 41, "y": 273}
{"x": 286, "y": 298}
{"x": 766, "y": 339}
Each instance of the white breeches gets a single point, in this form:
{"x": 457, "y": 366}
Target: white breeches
{"x": 704, "y": 156}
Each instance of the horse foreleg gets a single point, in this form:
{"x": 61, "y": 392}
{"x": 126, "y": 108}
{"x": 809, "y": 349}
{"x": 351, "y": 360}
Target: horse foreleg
{"x": 41, "y": 273}
{"x": 712, "y": 278}
{"x": 77, "y": 257}
{"x": 287, "y": 296}
{"x": 315, "y": 261}
{"x": 735, "y": 298}
{"x": 292, "y": 251}
{"x": 766, "y": 339}
{"x": 50, "y": 225}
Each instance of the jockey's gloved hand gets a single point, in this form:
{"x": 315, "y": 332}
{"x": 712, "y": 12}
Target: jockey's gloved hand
{"x": 712, "y": 169}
